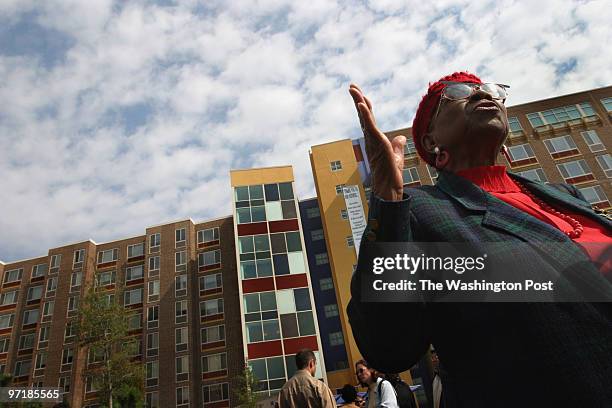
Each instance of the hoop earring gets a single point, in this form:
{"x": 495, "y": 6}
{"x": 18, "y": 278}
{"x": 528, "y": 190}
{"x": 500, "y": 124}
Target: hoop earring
{"x": 504, "y": 149}
{"x": 442, "y": 158}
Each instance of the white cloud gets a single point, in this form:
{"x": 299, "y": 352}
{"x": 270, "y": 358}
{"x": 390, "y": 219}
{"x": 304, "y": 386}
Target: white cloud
{"x": 138, "y": 118}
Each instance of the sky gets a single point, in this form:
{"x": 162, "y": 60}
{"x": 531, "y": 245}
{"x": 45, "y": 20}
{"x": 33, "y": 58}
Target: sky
{"x": 118, "y": 115}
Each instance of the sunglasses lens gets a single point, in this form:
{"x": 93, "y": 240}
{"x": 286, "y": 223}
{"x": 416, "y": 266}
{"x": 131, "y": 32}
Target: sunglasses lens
{"x": 494, "y": 90}
{"x": 457, "y": 91}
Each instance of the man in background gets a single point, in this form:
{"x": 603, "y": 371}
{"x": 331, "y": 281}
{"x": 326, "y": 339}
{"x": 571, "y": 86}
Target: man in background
{"x": 303, "y": 390}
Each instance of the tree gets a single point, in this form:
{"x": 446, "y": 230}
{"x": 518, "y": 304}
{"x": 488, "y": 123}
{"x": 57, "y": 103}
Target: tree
{"x": 102, "y": 328}
{"x": 246, "y": 390}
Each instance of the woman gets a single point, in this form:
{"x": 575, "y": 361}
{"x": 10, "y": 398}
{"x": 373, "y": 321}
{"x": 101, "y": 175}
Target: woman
{"x": 349, "y": 396}
{"x": 380, "y": 392}
{"x": 495, "y": 354}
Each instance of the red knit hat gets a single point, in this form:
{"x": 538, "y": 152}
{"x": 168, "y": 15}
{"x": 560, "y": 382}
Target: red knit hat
{"x": 427, "y": 107}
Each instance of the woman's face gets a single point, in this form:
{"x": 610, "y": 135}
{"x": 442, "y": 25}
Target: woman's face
{"x": 364, "y": 375}
{"x": 479, "y": 119}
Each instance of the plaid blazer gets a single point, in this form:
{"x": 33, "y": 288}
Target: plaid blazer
{"x": 494, "y": 354}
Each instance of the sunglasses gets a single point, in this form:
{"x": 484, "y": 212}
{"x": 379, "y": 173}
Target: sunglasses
{"x": 456, "y": 91}
{"x": 361, "y": 370}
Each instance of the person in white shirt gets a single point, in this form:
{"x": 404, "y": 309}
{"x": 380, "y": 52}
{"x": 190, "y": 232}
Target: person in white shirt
{"x": 381, "y": 393}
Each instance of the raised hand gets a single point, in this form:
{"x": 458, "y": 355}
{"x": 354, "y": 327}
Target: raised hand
{"x": 386, "y": 157}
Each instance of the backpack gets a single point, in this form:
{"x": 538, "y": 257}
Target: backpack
{"x": 405, "y": 396}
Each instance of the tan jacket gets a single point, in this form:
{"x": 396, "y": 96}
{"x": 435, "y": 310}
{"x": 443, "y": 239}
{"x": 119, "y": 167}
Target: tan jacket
{"x": 305, "y": 391}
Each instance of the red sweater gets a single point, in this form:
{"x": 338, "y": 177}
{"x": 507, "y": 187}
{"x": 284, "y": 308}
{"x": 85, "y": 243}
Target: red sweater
{"x": 496, "y": 181}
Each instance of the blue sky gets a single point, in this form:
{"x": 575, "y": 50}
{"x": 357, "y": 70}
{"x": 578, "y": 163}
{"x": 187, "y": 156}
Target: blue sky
{"x": 119, "y": 115}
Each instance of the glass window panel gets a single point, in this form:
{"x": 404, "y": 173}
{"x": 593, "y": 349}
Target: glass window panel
{"x": 587, "y": 109}
{"x": 254, "y": 332}
{"x": 258, "y": 367}
{"x": 302, "y": 299}
{"x": 291, "y": 366}
{"x": 247, "y": 257}
{"x": 274, "y": 210}
{"x": 269, "y": 315}
{"x": 277, "y": 384}
{"x": 255, "y": 203}
{"x": 289, "y": 209}
{"x": 293, "y": 242}
{"x": 251, "y": 303}
{"x": 264, "y": 268}
{"x": 258, "y": 214}
{"x": 271, "y": 192}
{"x": 276, "y": 367}
{"x": 242, "y": 193}
{"x": 244, "y": 215}
{"x": 306, "y": 323}
{"x": 262, "y": 255}
{"x": 246, "y": 244}
{"x": 243, "y": 204}
{"x": 289, "y": 325}
{"x": 286, "y": 191}
{"x": 252, "y": 317}
{"x": 572, "y": 112}
{"x": 271, "y": 329}
{"x": 256, "y": 192}
{"x": 281, "y": 264}
{"x": 278, "y": 243}
{"x": 261, "y": 243}
{"x": 268, "y": 301}
{"x": 285, "y": 301}
{"x": 248, "y": 270}
{"x": 296, "y": 262}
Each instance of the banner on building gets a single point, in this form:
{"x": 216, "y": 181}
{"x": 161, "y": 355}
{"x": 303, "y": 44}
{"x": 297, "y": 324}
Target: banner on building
{"x": 356, "y": 216}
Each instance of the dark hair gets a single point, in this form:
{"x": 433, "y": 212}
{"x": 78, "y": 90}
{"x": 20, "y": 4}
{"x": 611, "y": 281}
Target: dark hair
{"x": 303, "y": 357}
{"x": 348, "y": 392}
{"x": 375, "y": 373}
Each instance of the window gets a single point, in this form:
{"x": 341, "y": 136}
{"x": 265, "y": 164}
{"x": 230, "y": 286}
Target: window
{"x": 109, "y": 298}
{"x": 270, "y": 372}
{"x": 44, "y": 334}
{"x": 152, "y": 370}
{"x": 560, "y": 144}
{"x": 64, "y": 384}
{"x": 180, "y": 235}
{"x": 13, "y": 275}
{"x": 605, "y": 162}
{"x": 411, "y": 175}
{"x": 593, "y": 141}
{"x": 520, "y": 152}
{"x": 433, "y": 173}
{"x": 180, "y": 286}
{"x": 250, "y": 203}
{"x": 336, "y": 165}
{"x": 132, "y": 297}
{"x": 607, "y": 103}
{"x": 208, "y": 235}
{"x": 135, "y": 250}
{"x": 95, "y": 355}
{"x": 134, "y": 321}
{"x": 134, "y": 273}
{"x": 534, "y": 174}
{"x": 594, "y": 194}
{"x": 106, "y": 278}
{"x": 215, "y": 393}
{"x": 211, "y": 307}
{"x": 51, "y": 286}
{"x": 8, "y": 298}
{"x": 79, "y": 256}
{"x": 180, "y": 259}
{"x": 339, "y": 189}
{"x": 48, "y": 308}
{"x": 255, "y": 256}
{"x": 182, "y": 394}
{"x": 344, "y": 214}
{"x": 26, "y": 341}
{"x": 336, "y": 338}
{"x": 574, "y": 169}
{"x": 287, "y": 253}
{"x": 210, "y": 282}
{"x": 39, "y": 270}
{"x": 73, "y": 303}
{"x": 22, "y": 368}
{"x": 182, "y": 362}
{"x": 153, "y": 292}
{"x": 561, "y": 114}
{"x": 409, "y": 147}
{"x": 209, "y": 258}
{"x": 55, "y": 261}
{"x": 321, "y": 259}
{"x": 154, "y": 241}
{"x": 213, "y": 334}
{"x": 152, "y": 316}
{"x": 181, "y": 311}
{"x": 181, "y": 339}
{"x": 152, "y": 400}
{"x": 30, "y": 316}
{"x": 214, "y": 362}
{"x": 350, "y": 242}
{"x": 92, "y": 384}
{"x": 4, "y": 344}
{"x": 34, "y": 293}
{"x": 313, "y": 212}
{"x": 76, "y": 279}
{"x": 67, "y": 356}
{"x": 317, "y": 235}
{"x": 110, "y": 255}
{"x": 261, "y": 317}
{"x": 153, "y": 264}
{"x": 515, "y": 125}
{"x": 70, "y": 329}
{"x": 152, "y": 344}
{"x": 326, "y": 284}
{"x": 295, "y": 310}
{"x": 331, "y": 310}
{"x": 6, "y": 321}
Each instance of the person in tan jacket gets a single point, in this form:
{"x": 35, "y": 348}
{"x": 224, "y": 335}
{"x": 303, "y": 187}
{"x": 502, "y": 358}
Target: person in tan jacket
{"x": 303, "y": 390}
